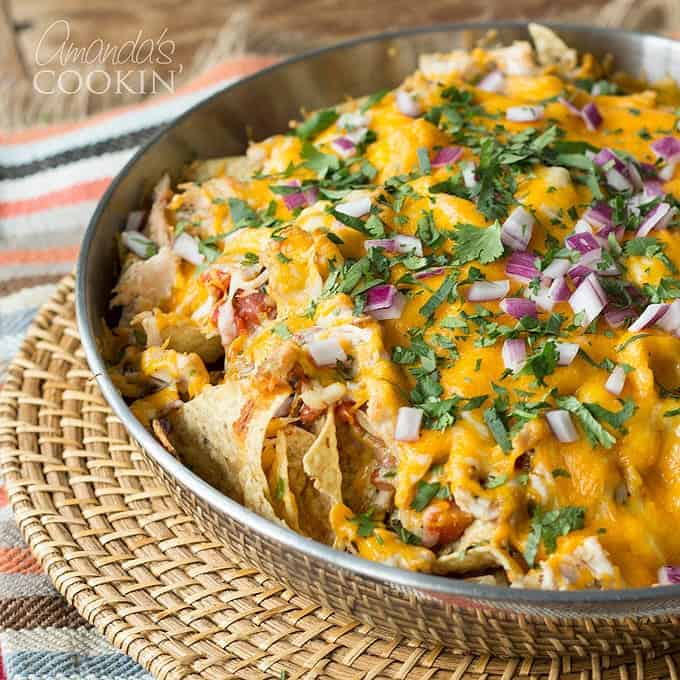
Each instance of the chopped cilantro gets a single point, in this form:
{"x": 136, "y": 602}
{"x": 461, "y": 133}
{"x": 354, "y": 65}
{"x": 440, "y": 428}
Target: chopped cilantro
{"x": 425, "y": 492}
{"x": 477, "y": 243}
{"x": 319, "y": 162}
{"x": 282, "y": 330}
{"x": 366, "y": 524}
{"x": 498, "y": 429}
{"x": 242, "y": 215}
{"x": 560, "y": 472}
{"x": 445, "y": 291}
{"x": 424, "y": 160}
{"x": 548, "y": 526}
{"x": 283, "y": 259}
{"x": 250, "y": 259}
{"x": 541, "y": 363}
{"x": 595, "y": 433}
{"x": 494, "y": 481}
{"x": 316, "y": 123}
{"x": 672, "y": 413}
{"x": 372, "y": 100}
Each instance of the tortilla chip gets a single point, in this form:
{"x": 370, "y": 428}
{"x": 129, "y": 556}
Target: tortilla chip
{"x": 187, "y": 337}
{"x": 321, "y": 462}
{"x": 475, "y": 552}
{"x": 314, "y": 505}
{"x": 283, "y": 498}
{"x": 358, "y": 455}
{"x": 220, "y": 435}
{"x": 551, "y": 49}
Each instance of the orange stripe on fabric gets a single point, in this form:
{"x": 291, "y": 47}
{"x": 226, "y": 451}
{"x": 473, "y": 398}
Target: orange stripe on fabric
{"x": 84, "y": 191}
{"x": 233, "y": 68}
{"x": 18, "y": 561}
{"x": 32, "y": 256}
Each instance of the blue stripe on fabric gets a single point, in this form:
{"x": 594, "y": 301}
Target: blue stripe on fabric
{"x": 52, "y": 665}
{"x": 18, "y": 321}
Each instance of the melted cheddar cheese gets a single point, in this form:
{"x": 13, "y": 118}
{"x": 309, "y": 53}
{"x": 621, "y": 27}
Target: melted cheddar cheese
{"x": 349, "y": 238}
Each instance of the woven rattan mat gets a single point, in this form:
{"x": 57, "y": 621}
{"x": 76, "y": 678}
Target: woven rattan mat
{"x": 155, "y": 583}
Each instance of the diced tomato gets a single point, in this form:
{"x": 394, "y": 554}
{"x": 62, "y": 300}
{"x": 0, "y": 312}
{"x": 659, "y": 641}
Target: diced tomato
{"x": 345, "y": 411}
{"x": 250, "y": 310}
{"x": 217, "y": 280}
{"x": 444, "y": 522}
{"x": 309, "y": 415}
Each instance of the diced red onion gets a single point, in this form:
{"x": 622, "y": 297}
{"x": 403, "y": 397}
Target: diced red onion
{"x": 521, "y": 265}
{"x": 659, "y": 217}
{"x": 649, "y": 316}
{"x": 380, "y": 297}
{"x": 294, "y": 200}
{"x": 449, "y": 154}
{"x": 557, "y": 268}
{"x": 542, "y": 298}
{"x": 583, "y": 242}
{"x": 669, "y": 575}
{"x": 579, "y": 272}
{"x": 135, "y": 220}
{"x": 617, "y": 180}
{"x": 429, "y": 273}
{"x": 138, "y": 244}
{"x": 599, "y": 215}
{"x": 562, "y": 426}
{"x": 572, "y": 108}
{"x": 591, "y": 116}
{"x": 616, "y": 381}
{"x": 187, "y": 248}
{"x": 517, "y": 229}
{"x": 326, "y": 352}
{"x": 518, "y": 307}
{"x": 567, "y": 352}
{"x": 344, "y": 146}
{"x": 559, "y": 291}
{"x": 394, "y": 311}
{"x": 408, "y": 244}
{"x": 616, "y": 170}
{"x": 484, "y": 291}
{"x": 616, "y": 316}
{"x": 514, "y": 353}
{"x": 582, "y": 227}
{"x": 668, "y": 171}
{"x": 607, "y": 156}
{"x": 407, "y": 104}
{"x": 352, "y": 120}
{"x": 524, "y": 114}
{"x": 667, "y": 148}
{"x": 670, "y": 321}
{"x": 589, "y": 298}
{"x": 408, "y": 424}
{"x": 653, "y": 188}
{"x": 492, "y": 82}
{"x": 469, "y": 172}
{"x": 357, "y": 207}
{"x": 634, "y": 175}
{"x": 387, "y": 244}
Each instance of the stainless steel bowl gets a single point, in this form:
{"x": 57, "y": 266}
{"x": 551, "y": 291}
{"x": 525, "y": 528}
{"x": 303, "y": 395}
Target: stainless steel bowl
{"x": 463, "y": 615}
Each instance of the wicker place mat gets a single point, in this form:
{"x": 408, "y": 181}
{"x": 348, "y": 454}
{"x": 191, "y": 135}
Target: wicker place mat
{"x": 155, "y": 583}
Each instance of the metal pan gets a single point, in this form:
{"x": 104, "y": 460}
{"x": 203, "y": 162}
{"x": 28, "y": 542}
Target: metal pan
{"x": 463, "y": 615}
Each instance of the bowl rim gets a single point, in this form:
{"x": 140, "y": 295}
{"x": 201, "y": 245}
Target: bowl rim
{"x": 427, "y": 585}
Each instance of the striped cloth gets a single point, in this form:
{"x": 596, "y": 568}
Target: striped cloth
{"x": 50, "y": 181}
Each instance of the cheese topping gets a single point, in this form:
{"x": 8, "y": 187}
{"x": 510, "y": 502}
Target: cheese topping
{"x": 485, "y": 245}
